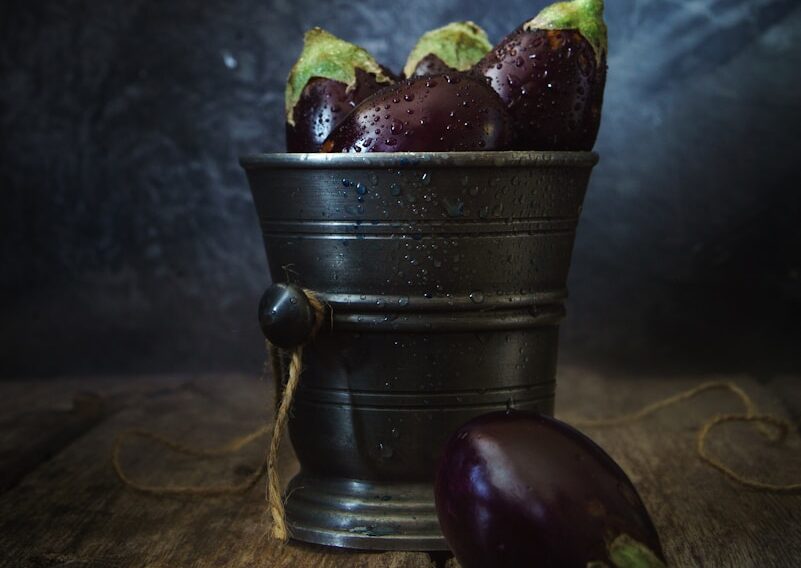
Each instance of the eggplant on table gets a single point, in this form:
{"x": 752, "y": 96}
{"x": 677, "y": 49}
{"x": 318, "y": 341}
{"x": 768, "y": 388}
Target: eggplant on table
{"x": 329, "y": 79}
{"x": 455, "y": 47}
{"x": 551, "y": 73}
{"x": 519, "y": 488}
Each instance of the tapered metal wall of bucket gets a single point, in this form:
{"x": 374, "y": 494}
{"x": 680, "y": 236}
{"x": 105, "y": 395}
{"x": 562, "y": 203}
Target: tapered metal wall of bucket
{"x": 446, "y": 275}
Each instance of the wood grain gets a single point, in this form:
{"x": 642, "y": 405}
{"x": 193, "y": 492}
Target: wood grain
{"x": 70, "y": 510}
{"x": 44, "y": 433}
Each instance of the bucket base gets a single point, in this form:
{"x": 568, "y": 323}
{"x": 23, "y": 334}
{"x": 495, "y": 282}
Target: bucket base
{"x": 358, "y": 514}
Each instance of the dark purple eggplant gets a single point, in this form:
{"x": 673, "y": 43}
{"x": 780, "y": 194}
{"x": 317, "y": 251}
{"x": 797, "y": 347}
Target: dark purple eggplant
{"x": 551, "y": 74}
{"x": 522, "y": 489}
{"x": 441, "y": 113}
{"x": 455, "y": 47}
{"x": 329, "y": 79}
{"x": 431, "y": 65}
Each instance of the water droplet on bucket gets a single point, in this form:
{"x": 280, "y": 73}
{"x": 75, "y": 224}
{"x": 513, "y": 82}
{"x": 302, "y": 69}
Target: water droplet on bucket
{"x": 454, "y": 209}
{"x": 385, "y": 450}
{"x": 477, "y": 296}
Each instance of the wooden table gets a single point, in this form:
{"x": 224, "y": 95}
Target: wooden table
{"x": 61, "y": 504}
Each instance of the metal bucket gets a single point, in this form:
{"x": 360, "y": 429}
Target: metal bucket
{"x": 446, "y": 276}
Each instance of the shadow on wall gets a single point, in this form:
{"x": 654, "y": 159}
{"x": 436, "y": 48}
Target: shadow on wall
{"x": 130, "y": 242}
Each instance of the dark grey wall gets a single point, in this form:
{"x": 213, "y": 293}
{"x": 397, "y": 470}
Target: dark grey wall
{"x": 129, "y": 241}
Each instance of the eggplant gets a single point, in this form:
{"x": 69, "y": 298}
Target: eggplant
{"x": 440, "y": 113}
{"x": 518, "y": 488}
{"x": 455, "y": 47}
{"x": 430, "y": 65}
{"x": 551, "y": 73}
{"x": 328, "y": 80}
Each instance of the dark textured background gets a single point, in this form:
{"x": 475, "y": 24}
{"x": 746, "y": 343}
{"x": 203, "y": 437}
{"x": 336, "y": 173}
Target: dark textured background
{"x": 129, "y": 241}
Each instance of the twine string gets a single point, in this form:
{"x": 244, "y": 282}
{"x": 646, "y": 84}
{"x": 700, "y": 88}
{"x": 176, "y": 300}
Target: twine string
{"x": 274, "y": 498}
{"x": 781, "y": 426}
{"x": 771, "y": 427}
{"x": 649, "y": 409}
{"x": 231, "y": 447}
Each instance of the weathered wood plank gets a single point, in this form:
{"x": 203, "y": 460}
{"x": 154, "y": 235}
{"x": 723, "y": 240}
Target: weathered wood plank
{"x": 29, "y": 438}
{"x": 72, "y": 511}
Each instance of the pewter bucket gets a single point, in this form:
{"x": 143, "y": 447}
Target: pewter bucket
{"x": 446, "y": 277}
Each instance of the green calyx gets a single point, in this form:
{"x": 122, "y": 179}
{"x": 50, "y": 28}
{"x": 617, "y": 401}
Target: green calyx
{"x": 325, "y": 55}
{"x": 459, "y": 45}
{"x": 625, "y": 552}
{"x": 586, "y": 16}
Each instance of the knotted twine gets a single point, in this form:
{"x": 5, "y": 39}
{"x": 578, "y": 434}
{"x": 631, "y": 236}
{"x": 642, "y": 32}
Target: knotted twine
{"x": 779, "y": 428}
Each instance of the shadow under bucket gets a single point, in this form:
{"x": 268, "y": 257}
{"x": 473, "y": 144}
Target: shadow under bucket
{"x": 446, "y": 276}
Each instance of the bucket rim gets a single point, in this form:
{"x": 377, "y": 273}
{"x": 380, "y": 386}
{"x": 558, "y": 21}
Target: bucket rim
{"x": 509, "y": 158}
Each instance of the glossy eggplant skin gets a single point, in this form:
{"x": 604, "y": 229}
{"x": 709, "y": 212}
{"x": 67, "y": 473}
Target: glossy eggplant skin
{"x": 321, "y": 106}
{"x": 553, "y": 85}
{"x": 522, "y": 489}
{"x": 432, "y": 65}
{"x": 440, "y": 113}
